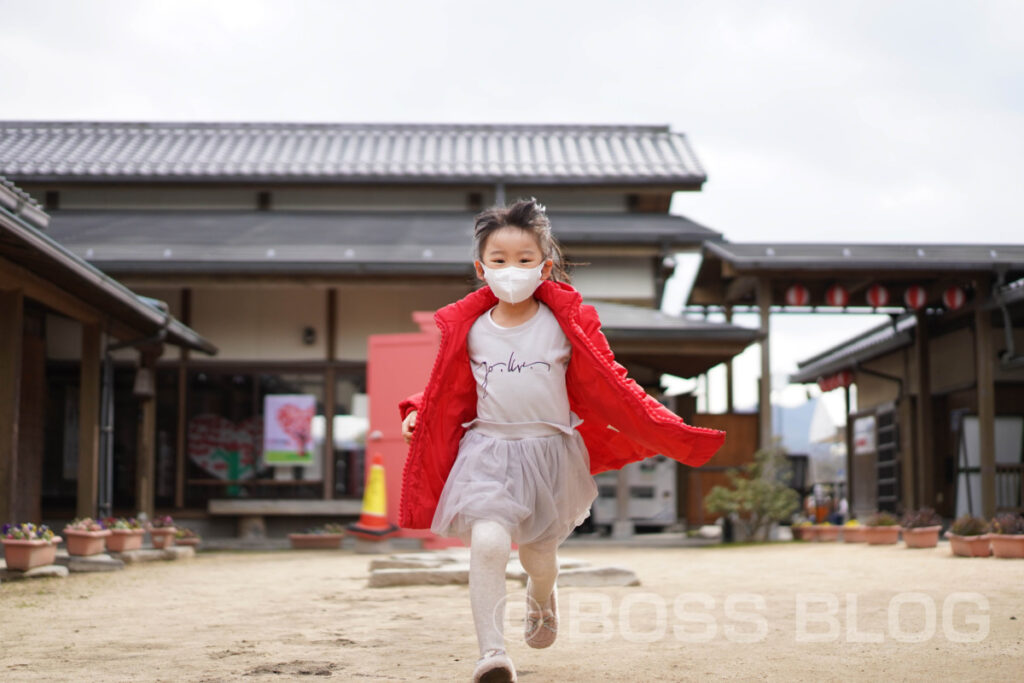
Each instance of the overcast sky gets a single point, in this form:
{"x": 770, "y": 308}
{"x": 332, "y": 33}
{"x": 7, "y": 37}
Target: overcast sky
{"x": 815, "y": 121}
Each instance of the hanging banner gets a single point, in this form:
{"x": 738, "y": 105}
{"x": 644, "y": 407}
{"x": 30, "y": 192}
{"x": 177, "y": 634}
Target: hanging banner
{"x": 288, "y": 429}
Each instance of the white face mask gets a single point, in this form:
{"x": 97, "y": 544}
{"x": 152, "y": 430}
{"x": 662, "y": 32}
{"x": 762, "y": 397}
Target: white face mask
{"x": 513, "y": 284}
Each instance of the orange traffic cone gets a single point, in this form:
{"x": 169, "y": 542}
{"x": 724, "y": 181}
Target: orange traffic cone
{"x": 373, "y": 521}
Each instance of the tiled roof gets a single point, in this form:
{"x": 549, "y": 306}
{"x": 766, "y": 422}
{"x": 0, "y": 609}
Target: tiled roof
{"x": 829, "y": 257}
{"x": 348, "y": 152}
{"x": 863, "y": 347}
{"x": 21, "y": 204}
{"x": 326, "y": 241}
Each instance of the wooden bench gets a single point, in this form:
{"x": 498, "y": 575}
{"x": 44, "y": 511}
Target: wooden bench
{"x": 251, "y": 511}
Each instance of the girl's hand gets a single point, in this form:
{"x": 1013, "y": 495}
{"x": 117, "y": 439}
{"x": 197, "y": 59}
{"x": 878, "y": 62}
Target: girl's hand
{"x": 409, "y": 426}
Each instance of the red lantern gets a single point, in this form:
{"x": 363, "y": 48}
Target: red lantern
{"x": 954, "y": 298}
{"x": 878, "y": 296}
{"x": 836, "y": 295}
{"x": 797, "y": 295}
{"x": 843, "y": 378}
{"x": 915, "y": 297}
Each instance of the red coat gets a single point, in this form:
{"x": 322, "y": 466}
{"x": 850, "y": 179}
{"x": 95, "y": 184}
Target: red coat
{"x": 621, "y": 422}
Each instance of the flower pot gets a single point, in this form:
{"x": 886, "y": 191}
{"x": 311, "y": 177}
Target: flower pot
{"x": 1007, "y": 545}
{"x": 84, "y": 543}
{"x": 922, "y": 537}
{"x": 853, "y": 534}
{"x": 24, "y": 554}
{"x": 970, "y": 546}
{"x": 315, "y": 541}
{"x": 826, "y": 532}
{"x": 121, "y": 540}
{"x": 882, "y": 535}
{"x": 187, "y": 541}
{"x": 163, "y": 537}
{"x": 804, "y": 533}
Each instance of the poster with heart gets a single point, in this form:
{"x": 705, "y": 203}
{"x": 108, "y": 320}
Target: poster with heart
{"x": 288, "y": 429}
{"x": 223, "y": 449}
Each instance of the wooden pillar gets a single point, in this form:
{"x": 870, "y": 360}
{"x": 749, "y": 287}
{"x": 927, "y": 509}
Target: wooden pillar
{"x": 89, "y": 423}
{"x": 729, "y": 397}
{"x": 908, "y": 471}
{"x": 764, "y": 304}
{"x": 924, "y": 455}
{"x": 145, "y": 456}
{"x": 848, "y": 438}
{"x": 181, "y": 438}
{"x": 983, "y": 354}
{"x": 12, "y": 314}
{"x": 329, "y": 395}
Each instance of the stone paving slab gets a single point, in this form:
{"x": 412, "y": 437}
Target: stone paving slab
{"x": 178, "y": 552}
{"x": 45, "y": 572}
{"x": 101, "y": 562}
{"x": 451, "y": 567}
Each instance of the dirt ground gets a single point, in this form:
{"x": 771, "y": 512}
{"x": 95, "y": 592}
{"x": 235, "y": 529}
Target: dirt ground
{"x": 765, "y": 612}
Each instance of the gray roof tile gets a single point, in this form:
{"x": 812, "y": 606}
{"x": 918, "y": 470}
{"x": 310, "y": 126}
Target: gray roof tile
{"x": 546, "y": 153}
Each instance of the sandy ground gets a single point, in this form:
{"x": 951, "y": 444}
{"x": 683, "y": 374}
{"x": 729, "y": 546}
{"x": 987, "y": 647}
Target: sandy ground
{"x": 769, "y": 612}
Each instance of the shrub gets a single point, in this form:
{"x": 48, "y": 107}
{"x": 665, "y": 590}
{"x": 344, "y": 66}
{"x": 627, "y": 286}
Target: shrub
{"x": 917, "y": 519}
{"x": 967, "y": 525}
{"x": 1008, "y": 523}
{"x": 882, "y": 519}
{"x": 758, "y": 494}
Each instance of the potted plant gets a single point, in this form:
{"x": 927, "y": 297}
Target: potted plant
{"x": 28, "y": 545}
{"x": 882, "y": 528}
{"x": 125, "y": 534}
{"x": 921, "y": 528}
{"x": 1007, "y": 535}
{"x": 162, "y": 531}
{"x": 826, "y": 531}
{"x": 853, "y": 532}
{"x": 968, "y": 537}
{"x": 186, "y": 536}
{"x": 86, "y": 536}
{"x": 327, "y": 536}
{"x": 804, "y": 531}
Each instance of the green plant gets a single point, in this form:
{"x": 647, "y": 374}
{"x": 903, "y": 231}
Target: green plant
{"x": 968, "y": 525}
{"x": 1008, "y": 523}
{"x": 917, "y": 519}
{"x": 757, "y": 495}
{"x": 163, "y": 522}
{"x": 882, "y": 519}
{"x": 122, "y": 523}
{"x": 85, "y": 524}
{"x": 185, "y": 532}
{"x": 27, "y": 532}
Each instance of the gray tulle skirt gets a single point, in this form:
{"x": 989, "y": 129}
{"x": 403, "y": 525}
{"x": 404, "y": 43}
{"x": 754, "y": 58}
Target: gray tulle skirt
{"x": 538, "y": 488}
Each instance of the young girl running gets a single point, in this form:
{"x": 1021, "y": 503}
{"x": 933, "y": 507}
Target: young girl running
{"x": 524, "y": 403}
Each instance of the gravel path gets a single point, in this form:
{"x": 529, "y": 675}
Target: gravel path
{"x": 770, "y": 612}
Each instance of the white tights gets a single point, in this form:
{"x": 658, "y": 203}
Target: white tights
{"x": 490, "y": 545}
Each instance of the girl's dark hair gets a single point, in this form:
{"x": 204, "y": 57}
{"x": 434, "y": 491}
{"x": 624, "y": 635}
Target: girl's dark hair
{"x": 528, "y": 215}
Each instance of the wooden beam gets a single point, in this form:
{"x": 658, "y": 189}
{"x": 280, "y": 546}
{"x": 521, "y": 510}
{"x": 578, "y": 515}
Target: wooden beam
{"x": 47, "y": 293}
{"x": 145, "y": 456}
{"x": 12, "y": 314}
{"x": 729, "y": 394}
{"x": 330, "y": 315}
{"x": 983, "y": 355}
{"x": 908, "y": 469}
{"x": 89, "y": 423}
{"x": 764, "y": 303}
{"x": 924, "y": 451}
{"x": 181, "y": 437}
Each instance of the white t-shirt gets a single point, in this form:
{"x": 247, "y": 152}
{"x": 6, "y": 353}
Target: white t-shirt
{"x": 520, "y": 376}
